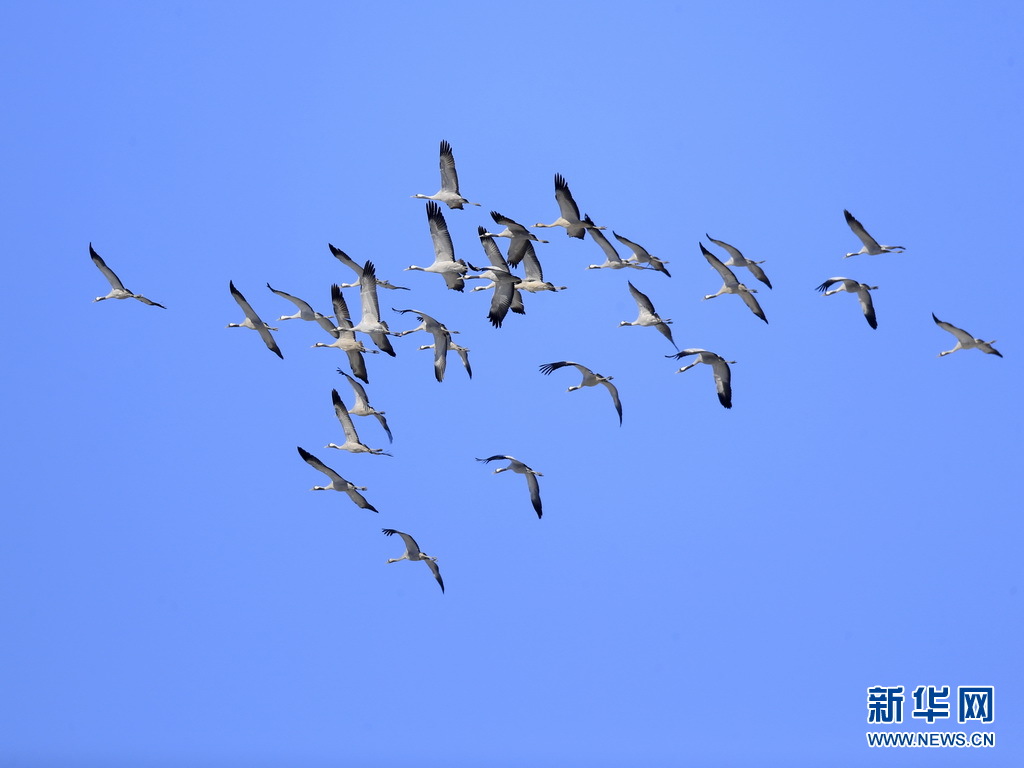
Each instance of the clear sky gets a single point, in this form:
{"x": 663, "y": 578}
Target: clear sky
{"x": 707, "y": 587}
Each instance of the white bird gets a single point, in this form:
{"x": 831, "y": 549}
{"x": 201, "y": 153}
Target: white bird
{"x": 305, "y": 312}
{"x": 964, "y": 340}
{"x": 852, "y": 286}
{"x": 253, "y": 322}
{"x": 338, "y": 483}
{"x": 533, "y": 279}
{"x": 362, "y": 405}
{"x": 719, "y": 366}
{"x": 737, "y": 259}
{"x": 641, "y": 256}
{"x": 117, "y": 289}
{"x": 531, "y": 478}
{"x": 505, "y": 296}
{"x": 590, "y": 379}
{"x": 648, "y": 315}
{"x": 449, "y": 192}
{"x": 515, "y": 231}
{"x": 412, "y": 552}
{"x": 352, "y": 442}
{"x": 445, "y": 263}
{"x": 442, "y": 339}
{"x": 612, "y": 260}
{"x": 370, "y": 323}
{"x": 344, "y": 337}
{"x": 463, "y": 353}
{"x": 732, "y": 285}
{"x": 871, "y": 246}
{"x": 347, "y": 260}
{"x": 498, "y": 273}
{"x": 570, "y": 212}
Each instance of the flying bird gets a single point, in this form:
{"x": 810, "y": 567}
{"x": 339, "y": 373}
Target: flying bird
{"x": 344, "y": 337}
{"x": 253, "y": 322}
{"x": 362, "y": 405}
{"x": 612, "y": 260}
{"x": 719, "y": 366}
{"x": 442, "y": 339}
{"x": 347, "y": 260}
{"x": 338, "y": 483}
{"x": 305, "y": 312}
{"x": 852, "y": 286}
{"x": 590, "y": 379}
{"x": 737, "y": 259}
{"x": 412, "y": 552}
{"x": 964, "y": 340}
{"x": 352, "y": 442}
{"x": 117, "y": 289}
{"x": 533, "y": 278}
{"x": 445, "y": 263}
{"x": 515, "y": 231}
{"x": 370, "y": 323}
{"x": 531, "y": 478}
{"x": 648, "y": 315}
{"x": 570, "y": 212}
{"x": 641, "y": 256}
{"x": 449, "y": 192}
{"x": 505, "y": 297}
{"x": 732, "y": 285}
{"x": 871, "y": 246}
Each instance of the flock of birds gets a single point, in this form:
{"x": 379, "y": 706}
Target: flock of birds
{"x": 508, "y": 289}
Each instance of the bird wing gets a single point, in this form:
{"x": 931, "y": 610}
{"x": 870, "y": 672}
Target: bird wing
{"x": 411, "y": 547}
{"x": 432, "y": 565}
{"x": 368, "y": 294}
{"x": 847, "y": 283}
{"x": 534, "y": 486}
{"x": 359, "y": 499}
{"x": 642, "y": 301}
{"x": 531, "y": 264}
{"x": 566, "y": 205}
{"x": 505, "y": 221}
{"x": 491, "y": 249}
{"x": 259, "y": 325}
{"x": 641, "y": 253}
{"x": 464, "y": 354}
{"x": 302, "y": 305}
{"x": 750, "y": 301}
{"x": 723, "y": 381}
{"x": 547, "y": 368}
{"x": 108, "y": 273}
{"x": 615, "y": 398}
{"x": 501, "y": 301}
{"x": 441, "y": 340}
{"x": 860, "y": 232}
{"x": 867, "y": 307}
{"x": 449, "y": 177}
{"x": 961, "y": 335}
{"x": 315, "y": 463}
{"x": 686, "y": 353}
{"x": 489, "y": 459}
{"x": 609, "y": 250}
{"x": 341, "y": 313}
{"x": 144, "y": 300}
{"x": 724, "y": 271}
{"x": 443, "y": 248}
{"x": 734, "y": 252}
{"x": 341, "y": 411}
{"x": 357, "y": 363}
{"x": 345, "y": 259}
{"x": 758, "y": 273}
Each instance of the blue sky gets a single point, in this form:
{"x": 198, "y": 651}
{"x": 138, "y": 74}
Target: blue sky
{"x": 707, "y": 586}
